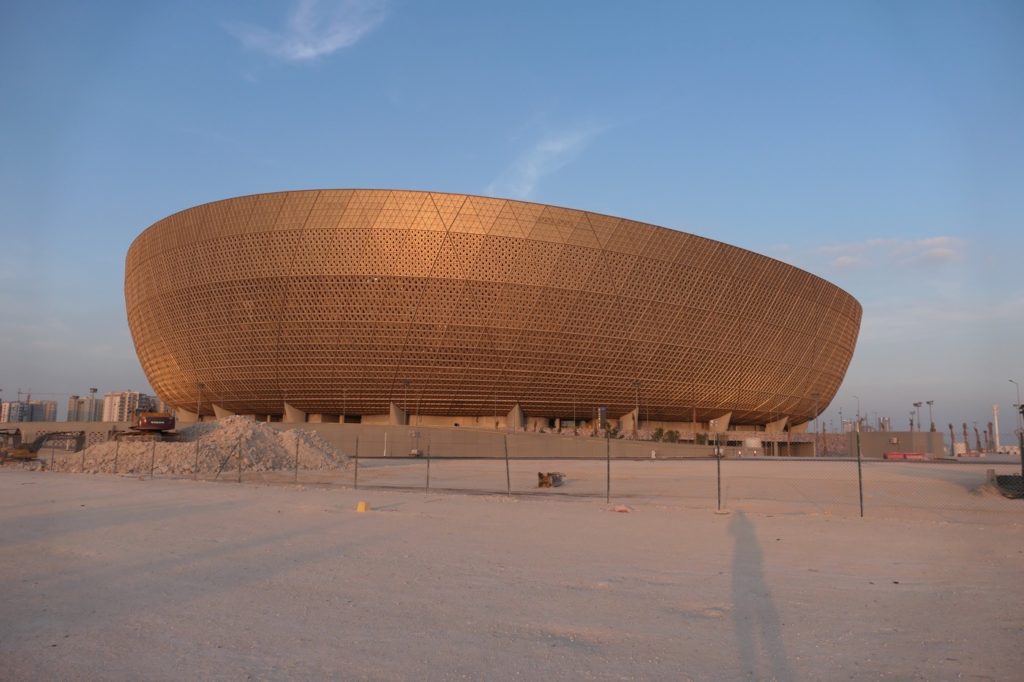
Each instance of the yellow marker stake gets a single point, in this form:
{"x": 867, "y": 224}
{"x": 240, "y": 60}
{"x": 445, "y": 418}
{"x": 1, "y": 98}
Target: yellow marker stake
{"x": 362, "y": 506}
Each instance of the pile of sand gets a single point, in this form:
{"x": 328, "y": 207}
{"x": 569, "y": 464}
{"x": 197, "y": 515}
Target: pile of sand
{"x": 220, "y": 444}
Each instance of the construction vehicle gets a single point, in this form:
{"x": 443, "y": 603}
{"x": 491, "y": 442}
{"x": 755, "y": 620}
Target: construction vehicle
{"x": 147, "y": 426}
{"x": 23, "y": 453}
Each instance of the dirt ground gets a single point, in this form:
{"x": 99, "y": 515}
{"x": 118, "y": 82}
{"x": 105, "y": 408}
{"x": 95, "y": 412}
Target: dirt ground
{"x": 111, "y": 577}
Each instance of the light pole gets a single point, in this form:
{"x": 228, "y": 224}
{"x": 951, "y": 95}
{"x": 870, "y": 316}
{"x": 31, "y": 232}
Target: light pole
{"x": 636, "y": 422}
{"x": 1020, "y": 413}
{"x": 929, "y": 403}
{"x": 1020, "y": 444}
{"x": 815, "y": 396}
{"x": 857, "y": 398}
{"x": 199, "y": 402}
{"x": 917, "y": 409}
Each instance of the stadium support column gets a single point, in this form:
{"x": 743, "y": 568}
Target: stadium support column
{"x": 516, "y": 419}
{"x": 398, "y": 416}
{"x": 222, "y": 413}
{"x": 293, "y": 415}
{"x": 720, "y": 424}
{"x": 630, "y": 422}
{"x": 777, "y": 426}
{"x": 183, "y": 416}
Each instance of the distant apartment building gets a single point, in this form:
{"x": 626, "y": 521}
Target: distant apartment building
{"x": 84, "y": 409}
{"x": 121, "y": 407}
{"x": 28, "y": 411}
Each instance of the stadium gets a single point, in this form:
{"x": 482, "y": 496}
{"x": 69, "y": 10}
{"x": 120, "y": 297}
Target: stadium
{"x": 376, "y": 306}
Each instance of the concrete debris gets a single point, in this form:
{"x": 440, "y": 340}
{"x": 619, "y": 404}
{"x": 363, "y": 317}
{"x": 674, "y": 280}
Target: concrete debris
{"x": 261, "y": 448}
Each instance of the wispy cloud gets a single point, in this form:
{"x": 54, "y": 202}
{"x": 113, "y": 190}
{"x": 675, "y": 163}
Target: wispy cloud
{"x": 314, "y": 29}
{"x": 903, "y": 321}
{"x": 902, "y": 252}
{"x": 545, "y": 157}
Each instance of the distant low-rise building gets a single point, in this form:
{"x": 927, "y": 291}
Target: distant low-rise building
{"x": 28, "y": 411}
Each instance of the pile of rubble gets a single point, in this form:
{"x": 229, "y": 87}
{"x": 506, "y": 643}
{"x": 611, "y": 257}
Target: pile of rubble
{"x": 218, "y": 446}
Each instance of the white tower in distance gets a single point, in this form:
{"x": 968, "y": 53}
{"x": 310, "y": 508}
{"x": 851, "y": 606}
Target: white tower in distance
{"x": 995, "y": 424}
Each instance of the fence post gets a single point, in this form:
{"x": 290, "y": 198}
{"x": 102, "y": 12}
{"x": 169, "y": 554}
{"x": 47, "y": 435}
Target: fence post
{"x": 718, "y": 466}
{"x": 1020, "y": 451}
{"x": 296, "y": 458}
{"x": 428, "y": 464}
{"x": 608, "y": 468}
{"x": 238, "y": 451}
{"x": 860, "y": 478}
{"x": 356, "y": 480}
{"x": 117, "y": 449}
{"x": 508, "y": 475}
{"x": 152, "y": 458}
{"x": 83, "y": 460}
{"x": 195, "y": 473}
{"x": 51, "y": 456}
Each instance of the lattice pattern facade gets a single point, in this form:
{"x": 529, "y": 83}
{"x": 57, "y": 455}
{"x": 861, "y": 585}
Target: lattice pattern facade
{"x": 344, "y": 301}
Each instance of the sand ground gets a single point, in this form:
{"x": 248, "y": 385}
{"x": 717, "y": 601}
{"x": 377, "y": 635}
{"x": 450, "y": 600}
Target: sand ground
{"x": 111, "y": 577}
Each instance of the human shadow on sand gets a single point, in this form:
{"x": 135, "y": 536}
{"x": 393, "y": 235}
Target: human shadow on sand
{"x": 759, "y": 644}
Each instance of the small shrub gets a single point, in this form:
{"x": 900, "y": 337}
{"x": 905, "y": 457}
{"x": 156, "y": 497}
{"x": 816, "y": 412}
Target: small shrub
{"x": 658, "y": 434}
{"x": 672, "y": 436}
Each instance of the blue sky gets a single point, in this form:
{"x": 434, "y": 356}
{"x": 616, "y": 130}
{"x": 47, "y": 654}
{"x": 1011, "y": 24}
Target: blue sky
{"x": 877, "y": 144}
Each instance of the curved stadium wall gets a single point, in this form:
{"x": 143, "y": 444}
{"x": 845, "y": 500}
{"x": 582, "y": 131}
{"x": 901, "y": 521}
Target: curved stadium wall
{"x": 346, "y": 301}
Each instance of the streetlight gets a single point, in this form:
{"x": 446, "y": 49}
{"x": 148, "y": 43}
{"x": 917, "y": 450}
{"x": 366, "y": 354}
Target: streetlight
{"x": 858, "y": 412}
{"x": 1020, "y": 414}
{"x": 199, "y": 402}
{"x": 815, "y": 396}
{"x": 917, "y": 407}
{"x": 636, "y": 421}
{"x": 929, "y": 403}
{"x": 199, "y": 418}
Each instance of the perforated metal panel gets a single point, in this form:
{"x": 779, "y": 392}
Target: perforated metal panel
{"x": 342, "y": 301}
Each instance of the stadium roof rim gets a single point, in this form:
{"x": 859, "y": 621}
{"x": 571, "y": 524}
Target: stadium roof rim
{"x": 483, "y": 196}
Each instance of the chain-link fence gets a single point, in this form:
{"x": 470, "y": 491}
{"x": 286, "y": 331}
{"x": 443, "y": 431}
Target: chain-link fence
{"x": 687, "y": 475}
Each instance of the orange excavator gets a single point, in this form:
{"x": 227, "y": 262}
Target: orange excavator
{"x": 29, "y": 451}
{"x": 148, "y": 426}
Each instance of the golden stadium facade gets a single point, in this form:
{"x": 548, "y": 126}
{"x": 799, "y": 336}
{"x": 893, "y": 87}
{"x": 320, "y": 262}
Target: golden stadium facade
{"x": 354, "y": 302}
